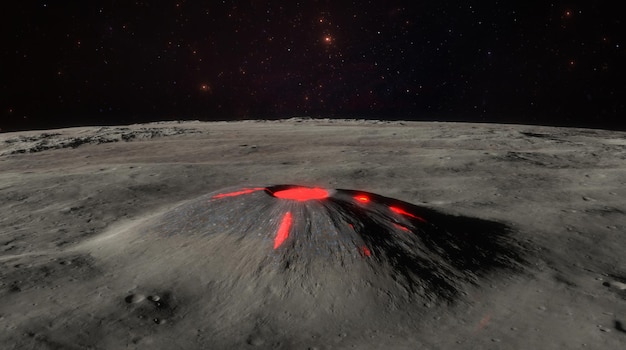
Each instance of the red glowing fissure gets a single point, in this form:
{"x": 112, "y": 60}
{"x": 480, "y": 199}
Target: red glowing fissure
{"x": 365, "y": 251}
{"x": 403, "y": 228}
{"x": 402, "y": 212}
{"x": 302, "y": 193}
{"x": 362, "y": 198}
{"x": 238, "y": 193}
{"x": 283, "y": 230}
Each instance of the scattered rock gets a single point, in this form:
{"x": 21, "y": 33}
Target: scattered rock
{"x": 615, "y": 285}
{"x": 619, "y": 326}
{"x": 255, "y": 340}
{"x": 135, "y": 298}
{"x": 46, "y": 141}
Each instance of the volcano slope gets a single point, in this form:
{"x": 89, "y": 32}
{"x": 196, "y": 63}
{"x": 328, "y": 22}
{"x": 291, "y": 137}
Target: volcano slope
{"x": 342, "y": 242}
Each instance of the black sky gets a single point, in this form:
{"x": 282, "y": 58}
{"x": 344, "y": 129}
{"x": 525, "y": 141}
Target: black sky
{"x": 67, "y": 63}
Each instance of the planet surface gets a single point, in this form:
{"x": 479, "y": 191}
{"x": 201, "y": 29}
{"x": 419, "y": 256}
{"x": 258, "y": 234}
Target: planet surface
{"x": 320, "y": 234}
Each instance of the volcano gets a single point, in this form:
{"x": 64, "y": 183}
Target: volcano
{"x": 262, "y": 260}
{"x": 308, "y": 234}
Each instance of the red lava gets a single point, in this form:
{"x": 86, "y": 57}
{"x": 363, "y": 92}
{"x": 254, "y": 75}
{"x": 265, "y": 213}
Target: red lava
{"x": 362, "y": 198}
{"x": 302, "y": 193}
{"x": 237, "y": 193}
{"x": 403, "y": 212}
{"x": 283, "y": 230}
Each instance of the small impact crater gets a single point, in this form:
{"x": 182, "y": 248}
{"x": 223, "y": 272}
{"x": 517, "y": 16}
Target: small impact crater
{"x": 152, "y": 308}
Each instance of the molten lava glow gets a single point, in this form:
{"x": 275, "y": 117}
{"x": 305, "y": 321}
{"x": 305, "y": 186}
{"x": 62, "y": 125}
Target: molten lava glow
{"x": 365, "y": 251}
{"x": 312, "y": 193}
{"x": 302, "y": 193}
{"x": 403, "y": 228}
{"x": 362, "y": 198}
{"x": 283, "y": 230}
{"x": 402, "y": 212}
{"x": 238, "y": 193}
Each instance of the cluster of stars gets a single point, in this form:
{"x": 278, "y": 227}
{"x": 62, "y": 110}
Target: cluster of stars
{"x": 260, "y": 60}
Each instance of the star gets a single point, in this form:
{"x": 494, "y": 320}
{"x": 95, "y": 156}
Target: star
{"x": 205, "y": 88}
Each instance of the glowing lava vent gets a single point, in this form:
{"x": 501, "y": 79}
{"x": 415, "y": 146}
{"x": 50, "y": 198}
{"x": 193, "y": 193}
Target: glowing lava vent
{"x": 289, "y": 229}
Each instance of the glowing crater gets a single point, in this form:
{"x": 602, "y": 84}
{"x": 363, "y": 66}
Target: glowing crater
{"x": 301, "y": 193}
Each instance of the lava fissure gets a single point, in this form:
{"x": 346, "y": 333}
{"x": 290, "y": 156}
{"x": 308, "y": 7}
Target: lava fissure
{"x": 283, "y": 230}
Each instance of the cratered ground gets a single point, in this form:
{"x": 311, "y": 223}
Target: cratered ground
{"x": 501, "y": 236}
